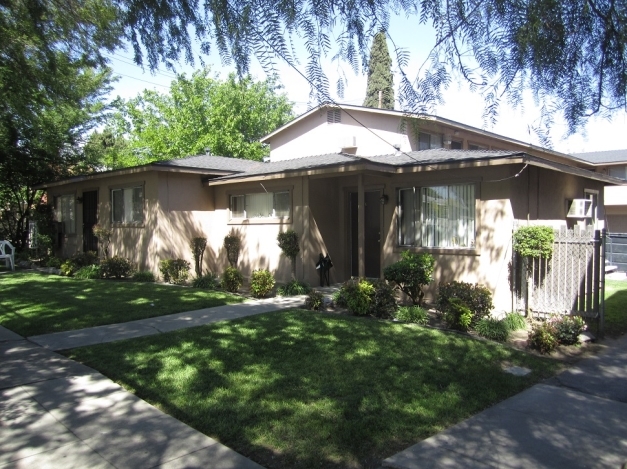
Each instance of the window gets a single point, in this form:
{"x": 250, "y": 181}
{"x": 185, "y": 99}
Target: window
{"x": 437, "y": 217}
{"x": 429, "y": 141}
{"x": 65, "y": 212}
{"x": 456, "y": 145}
{"x": 474, "y": 146}
{"x": 261, "y": 205}
{"x": 618, "y": 172}
{"x": 127, "y": 205}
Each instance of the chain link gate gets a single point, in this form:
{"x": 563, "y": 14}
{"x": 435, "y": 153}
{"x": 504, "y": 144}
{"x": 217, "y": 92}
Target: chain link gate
{"x": 571, "y": 281}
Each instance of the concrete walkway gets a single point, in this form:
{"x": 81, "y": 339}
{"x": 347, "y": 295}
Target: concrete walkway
{"x": 577, "y": 419}
{"x": 161, "y": 324}
{"x": 56, "y": 413}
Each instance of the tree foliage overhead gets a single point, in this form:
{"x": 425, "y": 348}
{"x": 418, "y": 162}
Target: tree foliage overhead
{"x": 570, "y": 53}
{"x": 228, "y": 117}
{"x": 380, "y": 77}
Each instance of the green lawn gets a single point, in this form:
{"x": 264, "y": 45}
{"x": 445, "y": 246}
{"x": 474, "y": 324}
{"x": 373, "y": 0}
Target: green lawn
{"x": 299, "y": 389}
{"x": 615, "y": 307}
{"x": 33, "y": 303}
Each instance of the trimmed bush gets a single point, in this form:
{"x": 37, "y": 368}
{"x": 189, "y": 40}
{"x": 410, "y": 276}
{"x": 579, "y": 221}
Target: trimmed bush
{"x": 383, "y": 302}
{"x": 54, "y": 262}
{"x": 208, "y": 281}
{"x": 458, "y": 315}
{"x": 261, "y": 283}
{"x": 411, "y": 273}
{"x": 198, "y": 245}
{"x": 356, "y": 295}
{"x": 232, "y": 280}
{"x": 293, "y": 288}
{"x": 88, "y": 272}
{"x": 116, "y": 267}
{"x": 534, "y": 241}
{"x": 143, "y": 276}
{"x": 492, "y": 329}
{"x": 288, "y": 242}
{"x": 542, "y": 337}
{"x": 232, "y": 245}
{"x": 474, "y": 296}
{"x": 568, "y": 328}
{"x": 174, "y": 271}
{"x": 515, "y": 322}
{"x": 413, "y": 314}
{"x": 68, "y": 268}
{"x": 314, "y": 300}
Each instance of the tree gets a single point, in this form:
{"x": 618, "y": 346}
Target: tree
{"x": 288, "y": 242}
{"x": 52, "y": 79}
{"x": 380, "y": 89}
{"x": 228, "y": 117}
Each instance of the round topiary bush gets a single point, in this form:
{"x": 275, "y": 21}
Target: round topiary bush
{"x": 232, "y": 280}
{"x": 261, "y": 283}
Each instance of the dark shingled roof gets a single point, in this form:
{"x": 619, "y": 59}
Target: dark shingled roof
{"x": 612, "y": 156}
{"x": 218, "y": 163}
{"x": 413, "y": 158}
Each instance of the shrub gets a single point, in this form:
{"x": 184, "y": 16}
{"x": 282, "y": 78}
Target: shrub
{"x": 492, "y": 329}
{"x": 198, "y": 246}
{"x": 83, "y": 259}
{"x": 514, "y": 322}
{"x": 288, "y": 242}
{"x": 359, "y": 295}
{"x": 542, "y": 337}
{"x": 174, "y": 271}
{"x": 117, "y": 267}
{"x": 411, "y": 273}
{"x": 383, "y": 303}
{"x": 414, "y": 314}
{"x": 314, "y": 300}
{"x": 534, "y": 241}
{"x": 143, "y": 276}
{"x": 68, "y": 268}
{"x": 232, "y": 280}
{"x": 476, "y": 297}
{"x": 104, "y": 236}
{"x": 232, "y": 245}
{"x": 208, "y": 281}
{"x": 458, "y": 315}
{"x": 88, "y": 272}
{"x": 567, "y": 329}
{"x": 261, "y": 283}
{"x": 54, "y": 262}
{"x": 294, "y": 288}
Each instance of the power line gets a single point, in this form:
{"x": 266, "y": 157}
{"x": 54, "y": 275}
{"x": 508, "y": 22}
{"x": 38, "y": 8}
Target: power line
{"x": 139, "y": 79}
{"x": 129, "y": 62}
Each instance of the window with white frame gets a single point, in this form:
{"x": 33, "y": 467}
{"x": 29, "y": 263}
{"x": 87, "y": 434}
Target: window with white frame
{"x": 127, "y": 205}
{"x": 65, "y": 212}
{"x": 429, "y": 141}
{"x": 437, "y": 216}
{"x": 261, "y": 205}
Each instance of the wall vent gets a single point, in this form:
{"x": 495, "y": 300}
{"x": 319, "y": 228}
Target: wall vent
{"x": 334, "y": 116}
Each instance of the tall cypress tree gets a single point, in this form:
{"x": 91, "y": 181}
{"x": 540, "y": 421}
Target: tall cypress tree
{"x": 380, "y": 75}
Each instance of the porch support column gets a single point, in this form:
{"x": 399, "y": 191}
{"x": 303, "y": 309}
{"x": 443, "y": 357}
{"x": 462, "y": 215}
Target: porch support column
{"x": 306, "y": 233}
{"x": 361, "y": 240}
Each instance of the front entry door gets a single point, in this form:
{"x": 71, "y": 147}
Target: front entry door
{"x": 372, "y": 234}
{"x": 90, "y": 218}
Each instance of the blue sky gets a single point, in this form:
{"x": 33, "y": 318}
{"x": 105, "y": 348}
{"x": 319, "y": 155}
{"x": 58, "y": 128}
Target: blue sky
{"x": 461, "y": 104}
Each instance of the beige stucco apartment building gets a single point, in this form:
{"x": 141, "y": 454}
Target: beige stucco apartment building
{"x": 359, "y": 184}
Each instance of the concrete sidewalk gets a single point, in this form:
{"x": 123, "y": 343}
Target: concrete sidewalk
{"x": 56, "y": 413}
{"x": 161, "y": 324}
{"x": 577, "y": 419}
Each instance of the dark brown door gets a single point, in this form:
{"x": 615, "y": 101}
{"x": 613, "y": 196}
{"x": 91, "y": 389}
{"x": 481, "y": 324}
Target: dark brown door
{"x": 372, "y": 234}
{"x": 90, "y": 218}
